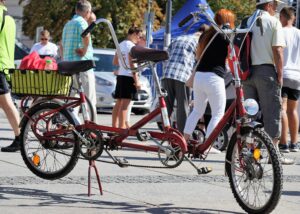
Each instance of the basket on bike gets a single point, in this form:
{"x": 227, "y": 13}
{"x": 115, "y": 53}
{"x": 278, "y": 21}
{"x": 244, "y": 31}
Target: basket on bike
{"x": 39, "y": 82}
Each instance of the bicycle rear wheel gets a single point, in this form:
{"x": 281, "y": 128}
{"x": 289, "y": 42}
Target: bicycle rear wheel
{"x": 48, "y": 158}
{"x": 254, "y": 171}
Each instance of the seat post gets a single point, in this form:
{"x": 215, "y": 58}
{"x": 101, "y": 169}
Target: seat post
{"x": 156, "y": 80}
{"x": 82, "y": 97}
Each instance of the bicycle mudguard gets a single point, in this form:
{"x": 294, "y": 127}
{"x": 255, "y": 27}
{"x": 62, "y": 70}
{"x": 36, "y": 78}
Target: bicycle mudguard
{"x": 75, "y": 119}
{"x": 171, "y": 134}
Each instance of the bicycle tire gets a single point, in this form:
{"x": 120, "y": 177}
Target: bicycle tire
{"x": 260, "y": 183}
{"x": 90, "y": 109}
{"x": 55, "y": 159}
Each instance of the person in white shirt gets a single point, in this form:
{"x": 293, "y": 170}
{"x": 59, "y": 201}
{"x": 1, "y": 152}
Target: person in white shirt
{"x": 290, "y": 92}
{"x": 44, "y": 47}
{"x": 127, "y": 81}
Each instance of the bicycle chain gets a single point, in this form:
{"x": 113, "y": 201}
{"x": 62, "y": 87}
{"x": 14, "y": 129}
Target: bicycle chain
{"x": 125, "y": 165}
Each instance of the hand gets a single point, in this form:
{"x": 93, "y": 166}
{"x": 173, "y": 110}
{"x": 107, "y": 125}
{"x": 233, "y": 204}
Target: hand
{"x": 138, "y": 86}
{"x": 280, "y": 81}
{"x": 116, "y": 72}
{"x": 80, "y": 52}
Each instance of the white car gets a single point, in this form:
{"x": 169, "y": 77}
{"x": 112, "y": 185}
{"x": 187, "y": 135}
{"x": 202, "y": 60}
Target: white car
{"x": 106, "y": 84}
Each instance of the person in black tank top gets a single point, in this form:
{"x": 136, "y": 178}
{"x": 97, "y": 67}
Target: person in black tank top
{"x": 209, "y": 83}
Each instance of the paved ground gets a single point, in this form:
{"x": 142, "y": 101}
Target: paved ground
{"x": 128, "y": 190}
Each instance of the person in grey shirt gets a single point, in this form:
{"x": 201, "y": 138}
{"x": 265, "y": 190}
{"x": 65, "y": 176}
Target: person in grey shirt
{"x": 265, "y": 81}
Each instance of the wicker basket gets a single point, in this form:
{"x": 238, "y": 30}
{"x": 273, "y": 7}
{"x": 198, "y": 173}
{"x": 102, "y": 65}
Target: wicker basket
{"x": 39, "y": 82}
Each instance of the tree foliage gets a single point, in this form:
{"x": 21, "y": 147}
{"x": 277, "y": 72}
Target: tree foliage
{"x": 53, "y": 14}
{"x": 241, "y": 8}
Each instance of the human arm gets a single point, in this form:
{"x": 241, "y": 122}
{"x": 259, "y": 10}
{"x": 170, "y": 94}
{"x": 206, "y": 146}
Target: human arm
{"x": 135, "y": 75}
{"x": 116, "y": 63}
{"x": 60, "y": 50}
{"x": 278, "y": 60}
{"x": 198, "y": 52}
{"x": 85, "y": 41}
{"x": 115, "y": 60}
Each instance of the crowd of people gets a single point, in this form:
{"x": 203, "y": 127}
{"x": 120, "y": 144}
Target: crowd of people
{"x": 274, "y": 80}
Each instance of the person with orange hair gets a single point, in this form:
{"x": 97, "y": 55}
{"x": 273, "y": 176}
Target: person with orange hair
{"x": 209, "y": 85}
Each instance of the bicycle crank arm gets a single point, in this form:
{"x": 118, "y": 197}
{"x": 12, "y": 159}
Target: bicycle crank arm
{"x": 168, "y": 151}
{"x": 81, "y": 137}
{"x": 120, "y": 162}
{"x": 202, "y": 170}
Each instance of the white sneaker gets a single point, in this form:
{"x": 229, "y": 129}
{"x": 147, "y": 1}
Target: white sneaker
{"x": 285, "y": 160}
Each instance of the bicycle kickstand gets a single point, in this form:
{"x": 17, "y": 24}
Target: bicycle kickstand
{"x": 93, "y": 165}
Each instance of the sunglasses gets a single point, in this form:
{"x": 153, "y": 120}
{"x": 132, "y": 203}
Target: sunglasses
{"x": 44, "y": 39}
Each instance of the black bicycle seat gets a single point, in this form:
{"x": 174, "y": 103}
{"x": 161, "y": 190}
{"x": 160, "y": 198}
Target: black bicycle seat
{"x": 75, "y": 67}
{"x": 141, "y": 54}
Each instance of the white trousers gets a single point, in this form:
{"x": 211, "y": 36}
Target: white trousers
{"x": 89, "y": 87}
{"x": 208, "y": 87}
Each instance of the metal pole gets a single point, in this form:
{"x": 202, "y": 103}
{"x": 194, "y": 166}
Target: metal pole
{"x": 298, "y": 14}
{"x": 149, "y": 24}
{"x": 167, "y": 36}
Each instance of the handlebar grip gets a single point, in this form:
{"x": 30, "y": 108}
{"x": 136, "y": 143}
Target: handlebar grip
{"x": 185, "y": 20}
{"x": 88, "y": 30}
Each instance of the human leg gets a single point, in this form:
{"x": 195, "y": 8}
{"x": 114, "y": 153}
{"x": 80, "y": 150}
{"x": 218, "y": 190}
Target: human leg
{"x": 127, "y": 121}
{"x": 292, "y": 115}
{"x": 200, "y": 102}
{"x": 11, "y": 113}
{"x": 124, "y": 104}
{"x": 115, "y": 113}
{"x": 217, "y": 100}
{"x": 89, "y": 87}
{"x": 283, "y": 144}
{"x": 168, "y": 85}
{"x": 182, "y": 99}
{"x": 13, "y": 117}
{"x": 269, "y": 92}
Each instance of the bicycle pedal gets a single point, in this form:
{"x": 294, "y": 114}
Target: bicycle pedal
{"x": 204, "y": 170}
{"x": 122, "y": 162}
{"x": 143, "y": 135}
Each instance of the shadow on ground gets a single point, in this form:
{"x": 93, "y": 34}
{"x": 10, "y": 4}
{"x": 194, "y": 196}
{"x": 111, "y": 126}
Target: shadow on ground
{"x": 46, "y": 199}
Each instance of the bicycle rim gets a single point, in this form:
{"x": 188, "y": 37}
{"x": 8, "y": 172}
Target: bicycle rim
{"x": 48, "y": 159}
{"x": 256, "y": 184}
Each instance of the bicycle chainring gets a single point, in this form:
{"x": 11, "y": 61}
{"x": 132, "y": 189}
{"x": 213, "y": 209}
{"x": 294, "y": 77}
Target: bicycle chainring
{"x": 93, "y": 148}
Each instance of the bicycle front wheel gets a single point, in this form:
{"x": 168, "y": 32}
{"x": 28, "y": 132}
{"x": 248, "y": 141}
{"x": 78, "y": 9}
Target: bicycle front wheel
{"x": 254, "y": 171}
{"x": 48, "y": 158}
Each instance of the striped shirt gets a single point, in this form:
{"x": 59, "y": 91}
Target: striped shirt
{"x": 182, "y": 52}
{"x": 71, "y": 39}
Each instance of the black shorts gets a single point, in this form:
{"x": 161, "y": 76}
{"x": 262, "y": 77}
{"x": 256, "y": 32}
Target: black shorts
{"x": 291, "y": 94}
{"x": 4, "y": 87}
{"x": 125, "y": 88}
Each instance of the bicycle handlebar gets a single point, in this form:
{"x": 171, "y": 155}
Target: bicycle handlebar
{"x": 88, "y": 30}
{"x": 112, "y": 32}
{"x": 185, "y": 20}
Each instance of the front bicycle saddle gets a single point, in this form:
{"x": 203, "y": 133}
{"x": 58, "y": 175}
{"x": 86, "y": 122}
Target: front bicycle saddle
{"x": 141, "y": 54}
{"x": 75, "y": 67}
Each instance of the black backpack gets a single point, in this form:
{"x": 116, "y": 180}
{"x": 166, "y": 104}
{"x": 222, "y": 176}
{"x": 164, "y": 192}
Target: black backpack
{"x": 242, "y": 46}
